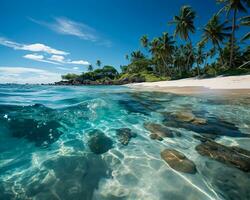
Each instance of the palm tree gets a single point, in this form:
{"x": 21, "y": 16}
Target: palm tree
{"x": 200, "y": 55}
{"x": 137, "y": 55}
{"x": 127, "y": 57}
{"x": 166, "y": 48}
{"x": 154, "y": 49}
{"x": 90, "y": 68}
{"x": 154, "y": 46}
{"x": 235, "y": 6}
{"x": 184, "y": 24}
{"x": 98, "y": 63}
{"x": 214, "y": 32}
{"x": 144, "y": 41}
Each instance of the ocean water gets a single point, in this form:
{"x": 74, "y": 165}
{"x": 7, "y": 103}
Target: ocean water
{"x": 46, "y": 131}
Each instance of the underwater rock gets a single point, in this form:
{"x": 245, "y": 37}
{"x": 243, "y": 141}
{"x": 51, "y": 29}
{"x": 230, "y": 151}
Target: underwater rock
{"x": 36, "y": 123}
{"x": 178, "y": 161}
{"x": 184, "y": 116}
{"x": 154, "y": 136}
{"x": 234, "y": 156}
{"x": 159, "y": 129}
{"x": 42, "y": 133}
{"x": 124, "y": 135}
{"x": 99, "y": 143}
{"x": 199, "y": 121}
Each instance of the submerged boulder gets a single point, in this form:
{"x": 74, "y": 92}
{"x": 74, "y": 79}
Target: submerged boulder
{"x": 184, "y": 116}
{"x": 42, "y": 133}
{"x": 124, "y": 135}
{"x": 99, "y": 143}
{"x": 36, "y": 123}
{"x": 178, "y": 161}
{"x": 159, "y": 130}
{"x": 154, "y": 136}
{"x": 232, "y": 156}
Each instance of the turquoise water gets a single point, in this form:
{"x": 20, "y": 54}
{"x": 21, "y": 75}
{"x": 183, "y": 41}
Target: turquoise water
{"x": 45, "y": 151}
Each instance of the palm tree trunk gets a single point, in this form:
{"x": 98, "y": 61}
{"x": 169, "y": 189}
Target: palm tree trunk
{"x": 189, "y": 56}
{"x": 233, "y": 38}
{"x": 165, "y": 65}
{"x": 220, "y": 50}
{"x": 198, "y": 69}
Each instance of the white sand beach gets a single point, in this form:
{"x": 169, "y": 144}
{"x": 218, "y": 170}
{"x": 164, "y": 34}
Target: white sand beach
{"x": 236, "y": 84}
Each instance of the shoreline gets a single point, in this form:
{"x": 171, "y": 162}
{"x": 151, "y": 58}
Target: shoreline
{"x": 230, "y": 85}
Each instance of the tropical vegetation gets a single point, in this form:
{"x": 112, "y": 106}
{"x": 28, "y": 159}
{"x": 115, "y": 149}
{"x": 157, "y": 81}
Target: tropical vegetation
{"x": 175, "y": 55}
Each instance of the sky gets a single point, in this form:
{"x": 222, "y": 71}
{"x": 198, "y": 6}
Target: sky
{"x": 43, "y": 39}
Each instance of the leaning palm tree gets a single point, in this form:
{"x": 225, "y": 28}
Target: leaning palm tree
{"x": 235, "y": 6}
{"x": 215, "y": 32}
{"x": 98, "y": 63}
{"x": 184, "y": 23}
{"x": 144, "y": 41}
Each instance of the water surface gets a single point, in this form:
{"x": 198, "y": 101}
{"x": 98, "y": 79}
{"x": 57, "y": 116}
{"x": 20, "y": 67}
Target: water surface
{"x": 45, "y": 151}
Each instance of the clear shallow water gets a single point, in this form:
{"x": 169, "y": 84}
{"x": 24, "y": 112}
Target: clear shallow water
{"x": 44, "y": 151}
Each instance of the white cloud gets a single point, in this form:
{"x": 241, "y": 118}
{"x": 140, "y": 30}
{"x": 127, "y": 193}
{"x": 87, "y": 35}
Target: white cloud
{"x": 43, "y": 48}
{"x": 68, "y": 69}
{"x": 57, "y": 58}
{"x": 78, "y": 62}
{"x": 37, "y": 47}
{"x": 39, "y": 58}
{"x": 66, "y": 26}
{"x": 61, "y": 59}
{"x": 34, "y": 56}
{"x": 24, "y": 75}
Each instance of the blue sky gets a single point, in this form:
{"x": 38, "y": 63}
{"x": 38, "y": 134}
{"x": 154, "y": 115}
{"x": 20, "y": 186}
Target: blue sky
{"x": 40, "y": 40}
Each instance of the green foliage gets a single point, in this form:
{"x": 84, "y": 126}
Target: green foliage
{"x": 107, "y": 72}
{"x": 143, "y": 76}
{"x": 70, "y": 76}
{"x": 184, "y": 22}
{"x": 150, "y": 77}
{"x": 98, "y": 63}
{"x": 90, "y": 68}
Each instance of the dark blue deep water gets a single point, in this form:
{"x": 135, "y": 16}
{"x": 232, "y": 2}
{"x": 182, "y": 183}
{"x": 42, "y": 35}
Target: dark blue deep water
{"x": 93, "y": 143}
